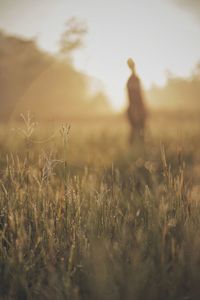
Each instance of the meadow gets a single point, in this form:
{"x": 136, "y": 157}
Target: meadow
{"x": 83, "y": 215}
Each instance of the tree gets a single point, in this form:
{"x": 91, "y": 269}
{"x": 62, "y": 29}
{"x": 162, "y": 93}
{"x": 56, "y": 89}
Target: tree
{"x": 72, "y": 37}
{"x": 196, "y": 72}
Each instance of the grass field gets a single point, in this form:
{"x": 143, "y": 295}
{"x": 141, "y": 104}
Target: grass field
{"x": 85, "y": 216}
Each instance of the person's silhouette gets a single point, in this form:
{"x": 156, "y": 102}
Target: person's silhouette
{"x": 136, "y": 110}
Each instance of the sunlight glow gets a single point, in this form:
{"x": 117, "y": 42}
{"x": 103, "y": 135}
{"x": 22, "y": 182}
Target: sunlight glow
{"x": 157, "y": 34}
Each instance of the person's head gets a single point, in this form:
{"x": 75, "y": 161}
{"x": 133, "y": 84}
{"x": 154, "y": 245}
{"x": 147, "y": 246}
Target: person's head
{"x": 131, "y": 64}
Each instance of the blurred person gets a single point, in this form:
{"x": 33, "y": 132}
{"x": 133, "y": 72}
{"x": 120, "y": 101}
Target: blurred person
{"x": 136, "y": 111}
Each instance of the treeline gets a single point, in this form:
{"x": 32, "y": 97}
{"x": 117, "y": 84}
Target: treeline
{"x": 178, "y": 93}
{"x": 48, "y": 86}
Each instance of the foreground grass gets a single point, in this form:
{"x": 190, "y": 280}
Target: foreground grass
{"x": 90, "y": 218}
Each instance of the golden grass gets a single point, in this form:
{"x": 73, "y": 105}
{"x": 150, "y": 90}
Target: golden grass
{"x": 84, "y": 216}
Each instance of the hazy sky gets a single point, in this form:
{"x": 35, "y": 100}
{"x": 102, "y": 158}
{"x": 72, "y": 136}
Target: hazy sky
{"x": 160, "y": 35}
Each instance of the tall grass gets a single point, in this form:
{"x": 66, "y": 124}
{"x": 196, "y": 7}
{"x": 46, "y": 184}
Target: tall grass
{"x": 91, "y": 218}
